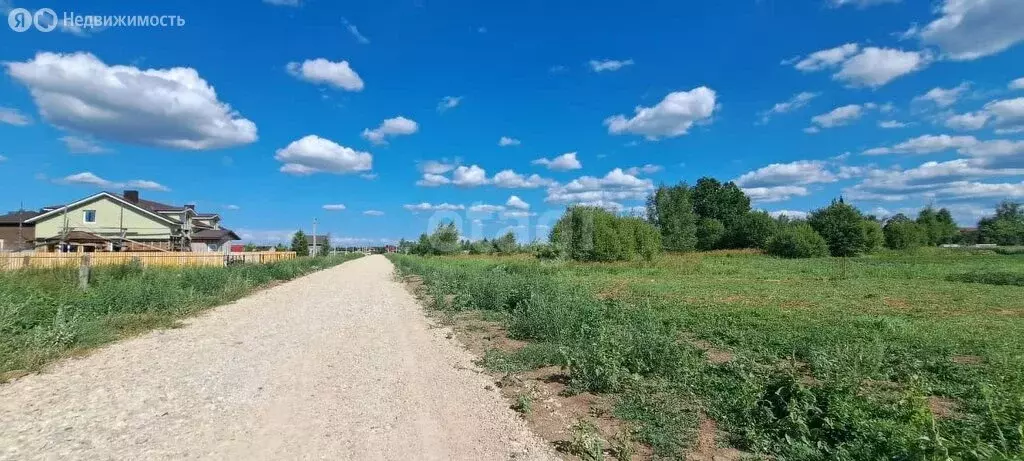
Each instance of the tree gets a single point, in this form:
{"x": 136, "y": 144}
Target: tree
{"x": 724, "y": 202}
{"x": 249, "y": 247}
{"x": 903, "y": 234}
{"x": 797, "y": 241}
{"x": 710, "y": 233}
{"x": 324, "y": 247}
{"x": 753, "y": 230}
{"x": 938, "y": 226}
{"x": 299, "y": 243}
{"x": 481, "y": 247}
{"x": 841, "y": 226}
{"x": 670, "y": 210}
{"x": 280, "y": 247}
{"x": 506, "y": 244}
{"x": 1006, "y": 227}
{"x": 874, "y": 237}
{"x": 594, "y": 234}
{"x": 445, "y": 239}
{"x": 423, "y": 246}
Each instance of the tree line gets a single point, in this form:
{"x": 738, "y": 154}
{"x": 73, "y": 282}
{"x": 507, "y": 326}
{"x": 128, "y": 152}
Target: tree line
{"x": 711, "y": 215}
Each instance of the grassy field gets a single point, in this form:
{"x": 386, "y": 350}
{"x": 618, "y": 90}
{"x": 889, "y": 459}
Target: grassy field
{"x": 44, "y": 316}
{"x": 889, "y": 356}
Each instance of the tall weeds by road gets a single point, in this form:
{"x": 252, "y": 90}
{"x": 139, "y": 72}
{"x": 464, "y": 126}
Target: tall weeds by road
{"x": 43, "y": 314}
{"x": 882, "y": 357}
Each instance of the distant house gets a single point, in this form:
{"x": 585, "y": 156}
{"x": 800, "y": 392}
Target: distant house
{"x": 321, "y": 241}
{"x": 15, "y": 233}
{"x": 110, "y": 222}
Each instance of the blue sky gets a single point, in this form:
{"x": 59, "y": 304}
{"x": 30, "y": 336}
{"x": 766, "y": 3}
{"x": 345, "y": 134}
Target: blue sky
{"x": 273, "y": 113}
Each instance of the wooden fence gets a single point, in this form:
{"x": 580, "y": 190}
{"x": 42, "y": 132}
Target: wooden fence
{"x": 13, "y": 261}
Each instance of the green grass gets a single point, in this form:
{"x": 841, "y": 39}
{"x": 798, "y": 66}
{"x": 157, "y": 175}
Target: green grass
{"x": 831, "y": 358}
{"x": 44, "y": 316}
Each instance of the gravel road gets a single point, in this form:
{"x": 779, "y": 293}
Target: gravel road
{"x": 340, "y": 364}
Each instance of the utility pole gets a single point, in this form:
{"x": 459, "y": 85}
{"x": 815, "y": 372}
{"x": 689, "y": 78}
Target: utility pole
{"x": 314, "y": 238}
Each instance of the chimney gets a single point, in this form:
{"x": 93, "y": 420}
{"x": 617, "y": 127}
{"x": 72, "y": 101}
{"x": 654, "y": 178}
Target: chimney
{"x": 191, "y": 207}
{"x": 132, "y": 196}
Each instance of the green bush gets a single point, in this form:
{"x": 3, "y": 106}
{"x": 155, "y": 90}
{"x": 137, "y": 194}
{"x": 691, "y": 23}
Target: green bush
{"x": 903, "y": 234}
{"x": 874, "y": 237}
{"x": 710, "y": 233}
{"x": 797, "y": 241}
{"x": 841, "y": 225}
{"x": 989, "y": 278}
{"x": 595, "y": 234}
{"x": 753, "y": 231}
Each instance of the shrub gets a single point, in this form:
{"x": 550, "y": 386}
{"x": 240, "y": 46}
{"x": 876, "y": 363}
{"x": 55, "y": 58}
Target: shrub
{"x": 874, "y": 237}
{"x": 506, "y": 245}
{"x": 710, "y": 233}
{"x": 797, "y": 241}
{"x": 903, "y": 234}
{"x": 670, "y": 210}
{"x": 753, "y": 230}
{"x": 595, "y": 234}
{"x": 841, "y": 227}
{"x": 989, "y": 278}
{"x": 1006, "y": 227}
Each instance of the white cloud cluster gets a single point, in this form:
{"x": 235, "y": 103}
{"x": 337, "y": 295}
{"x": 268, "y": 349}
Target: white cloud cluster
{"x": 615, "y": 186}
{"x": 868, "y": 67}
{"x": 1017, "y": 84}
{"x": 334, "y": 207}
{"x": 89, "y": 179}
{"x": 953, "y": 179}
{"x": 397, "y": 126}
{"x": 321, "y": 71}
{"x": 173, "y": 108}
{"x": 792, "y": 214}
{"x": 506, "y": 141}
{"x": 645, "y": 169}
{"x": 352, "y": 29}
{"x": 509, "y": 179}
{"x": 471, "y": 176}
{"x": 608, "y": 64}
{"x": 970, "y": 29}
{"x": 313, "y": 154}
{"x": 891, "y": 124}
{"x": 564, "y": 162}
{"x": 798, "y": 101}
{"x": 775, "y": 193}
{"x": 839, "y": 116}
{"x": 517, "y": 203}
{"x": 997, "y": 153}
{"x": 967, "y": 122}
{"x": 437, "y": 166}
{"x": 83, "y": 145}
{"x": 671, "y": 117}
{"x": 801, "y": 172}
{"x": 373, "y": 213}
{"x": 426, "y": 206}
{"x": 860, "y": 3}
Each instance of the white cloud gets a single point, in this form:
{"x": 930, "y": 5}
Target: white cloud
{"x": 322, "y": 71}
{"x": 614, "y": 186}
{"x": 646, "y": 169}
{"x": 860, "y": 3}
{"x": 671, "y": 117}
{"x": 792, "y": 214}
{"x": 839, "y": 116}
{"x": 448, "y": 102}
{"x": 487, "y": 209}
{"x": 433, "y": 180}
{"x": 437, "y": 167}
{"x": 83, "y": 145}
{"x": 1017, "y": 84}
{"x": 425, "y": 206}
{"x": 967, "y": 122}
{"x": 609, "y": 65}
{"x": 373, "y": 213}
{"x": 334, "y": 207}
{"x": 232, "y": 207}
{"x": 352, "y": 29}
{"x": 517, "y": 203}
{"x": 1007, "y": 112}
{"x": 944, "y": 97}
{"x": 506, "y": 141}
{"x": 471, "y": 176}
{"x": 824, "y": 59}
{"x": 564, "y": 162}
{"x": 971, "y": 29}
{"x": 891, "y": 124}
{"x": 775, "y": 193}
{"x": 796, "y": 102}
{"x": 812, "y": 130}
{"x": 950, "y": 179}
{"x": 172, "y": 108}
{"x": 509, "y": 179}
{"x": 800, "y": 172}
{"x": 991, "y": 154}
{"x": 282, "y": 2}
{"x": 89, "y": 179}
{"x": 874, "y": 67}
{"x": 926, "y": 144}
{"x": 516, "y": 214}
{"x": 14, "y": 117}
{"x": 3, "y": 159}
{"x": 313, "y": 154}
{"x": 398, "y": 126}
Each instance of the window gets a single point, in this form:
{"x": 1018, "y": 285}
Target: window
{"x": 90, "y": 216}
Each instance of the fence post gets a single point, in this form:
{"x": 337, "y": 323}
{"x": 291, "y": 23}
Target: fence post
{"x": 84, "y": 269}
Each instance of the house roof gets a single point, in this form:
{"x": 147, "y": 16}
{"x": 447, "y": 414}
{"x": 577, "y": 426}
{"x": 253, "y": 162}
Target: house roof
{"x": 19, "y": 216}
{"x": 103, "y": 194}
{"x": 319, "y": 238}
{"x": 78, "y": 236}
{"x": 215, "y": 234}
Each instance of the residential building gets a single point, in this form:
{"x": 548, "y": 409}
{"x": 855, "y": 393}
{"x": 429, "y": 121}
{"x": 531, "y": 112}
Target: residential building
{"x": 110, "y": 222}
{"x": 15, "y": 233}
